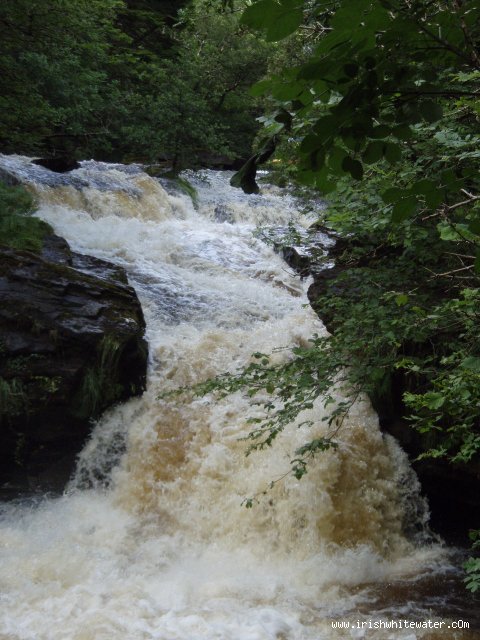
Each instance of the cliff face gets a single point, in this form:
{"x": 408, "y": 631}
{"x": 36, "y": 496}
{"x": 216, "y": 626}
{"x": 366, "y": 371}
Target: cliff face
{"x": 452, "y": 489}
{"x": 71, "y": 345}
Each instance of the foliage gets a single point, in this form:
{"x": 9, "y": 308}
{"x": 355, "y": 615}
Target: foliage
{"x": 18, "y": 229}
{"x": 383, "y": 115}
{"x": 197, "y": 104}
{"x": 370, "y": 104}
{"x": 472, "y": 566}
{"x": 53, "y": 70}
{"x": 13, "y": 399}
{"x": 100, "y": 384}
{"x": 376, "y": 69}
{"x": 187, "y": 187}
{"x": 127, "y": 80}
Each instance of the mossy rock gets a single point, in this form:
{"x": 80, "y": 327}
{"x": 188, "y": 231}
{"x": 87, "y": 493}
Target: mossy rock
{"x": 72, "y": 345}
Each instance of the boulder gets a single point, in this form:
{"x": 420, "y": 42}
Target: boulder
{"x": 71, "y": 345}
{"x": 59, "y": 164}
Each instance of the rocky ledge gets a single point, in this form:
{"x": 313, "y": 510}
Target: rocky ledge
{"x": 452, "y": 490}
{"x": 71, "y": 345}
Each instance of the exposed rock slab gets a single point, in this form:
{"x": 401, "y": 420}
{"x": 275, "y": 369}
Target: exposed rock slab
{"x": 71, "y": 345}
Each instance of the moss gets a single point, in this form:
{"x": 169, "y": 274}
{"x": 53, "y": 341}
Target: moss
{"x": 182, "y": 184}
{"x": 47, "y": 384}
{"x": 24, "y": 233}
{"x": 20, "y": 364}
{"x": 18, "y": 229}
{"x": 13, "y": 398}
{"x": 100, "y": 386}
{"x": 188, "y": 189}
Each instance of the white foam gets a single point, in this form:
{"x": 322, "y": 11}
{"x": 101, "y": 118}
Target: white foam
{"x": 167, "y": 552}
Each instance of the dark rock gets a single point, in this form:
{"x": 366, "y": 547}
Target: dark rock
{"x": 326, "y": 280}
{"x": 99, "y": 268}
{"x": 8, "y": 178}
{"x": 452, "y": 490}
{"x": 59, "y": 165}
{"x": 297, "y": 259}
{"x": 56, "y": 249}
{"x": 306, "y": 252}
{"x": 71, "y": 345}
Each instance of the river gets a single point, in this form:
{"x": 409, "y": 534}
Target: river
{"x": 150, "y": 540}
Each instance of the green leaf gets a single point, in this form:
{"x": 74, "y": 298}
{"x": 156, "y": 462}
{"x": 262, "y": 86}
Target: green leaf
{"x": 390, "y": 196}
{"x": 314, "y": 70}
{"x": 403, "y": 132}
{"x": 310, "y": 143}
{"x": 279, "y": 19}
{"x": 336, "y": 157}
{"x": 423, "y": 186}
{"x": 287, "y": 21}
{"x": 285, "y": 118}
{"x": 260, "y": 88}
{"x": 430, "y": 190}
{"x": 408, "y": 114}
{"x": 474, "y": 226}
{"x": 392, "y": 152}
{"x": 454, "y": 232}
{"x": 401, "y": 300}
{"x": 373, "y": 152}
{"x": 430, "y": 111}
{"x": 403, "y": 209}
{"x": 245, "y": 176}
{"x": 382, "y": 131}
{"x": 354, "y": 167}
{"x": 286, "y": 91}
{"x": 351, "y": 69}
{"x": 323, "y": 181}
{"x": 317, "y": 159}
{"x": 258, "y": 14}
{"x": 307, "y": 177}
{"x": 472, "y": 363}
{"x": 434, "y": 400}
{"x": 434, "y": 199}
{"x": 325, "y": 128}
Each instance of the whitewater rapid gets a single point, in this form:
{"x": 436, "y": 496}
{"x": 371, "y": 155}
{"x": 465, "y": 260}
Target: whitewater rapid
{"x": 150, "y": 540}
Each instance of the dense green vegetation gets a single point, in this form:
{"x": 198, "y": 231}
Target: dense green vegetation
{"x": 142, "y": 80}
{"x": 18, "y": 229}
{"x": 382, "y": 114}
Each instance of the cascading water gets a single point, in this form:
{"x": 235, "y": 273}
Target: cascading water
{"x": 150, "y": 540}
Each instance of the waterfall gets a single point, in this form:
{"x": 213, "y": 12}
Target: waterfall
{"x": 150, "y": 540}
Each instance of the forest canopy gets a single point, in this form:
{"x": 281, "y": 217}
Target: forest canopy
{"x": 143, "y": 80}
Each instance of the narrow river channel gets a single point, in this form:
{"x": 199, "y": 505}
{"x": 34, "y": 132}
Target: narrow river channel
{"x": 150, "y": 540}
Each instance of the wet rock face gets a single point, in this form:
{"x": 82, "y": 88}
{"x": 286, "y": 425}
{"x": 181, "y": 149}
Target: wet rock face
{"x": 71, "y": 345}
{"x": 452, "y": 490}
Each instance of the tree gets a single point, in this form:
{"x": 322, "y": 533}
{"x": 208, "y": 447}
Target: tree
{"x": 53, "y": 70}
{"x": 127, "y": 80}
{"x": 388, "y": 97}
{"x": 383, "y": 115}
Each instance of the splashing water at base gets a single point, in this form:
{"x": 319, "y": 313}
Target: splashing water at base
{"x": 150, "y": 541}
